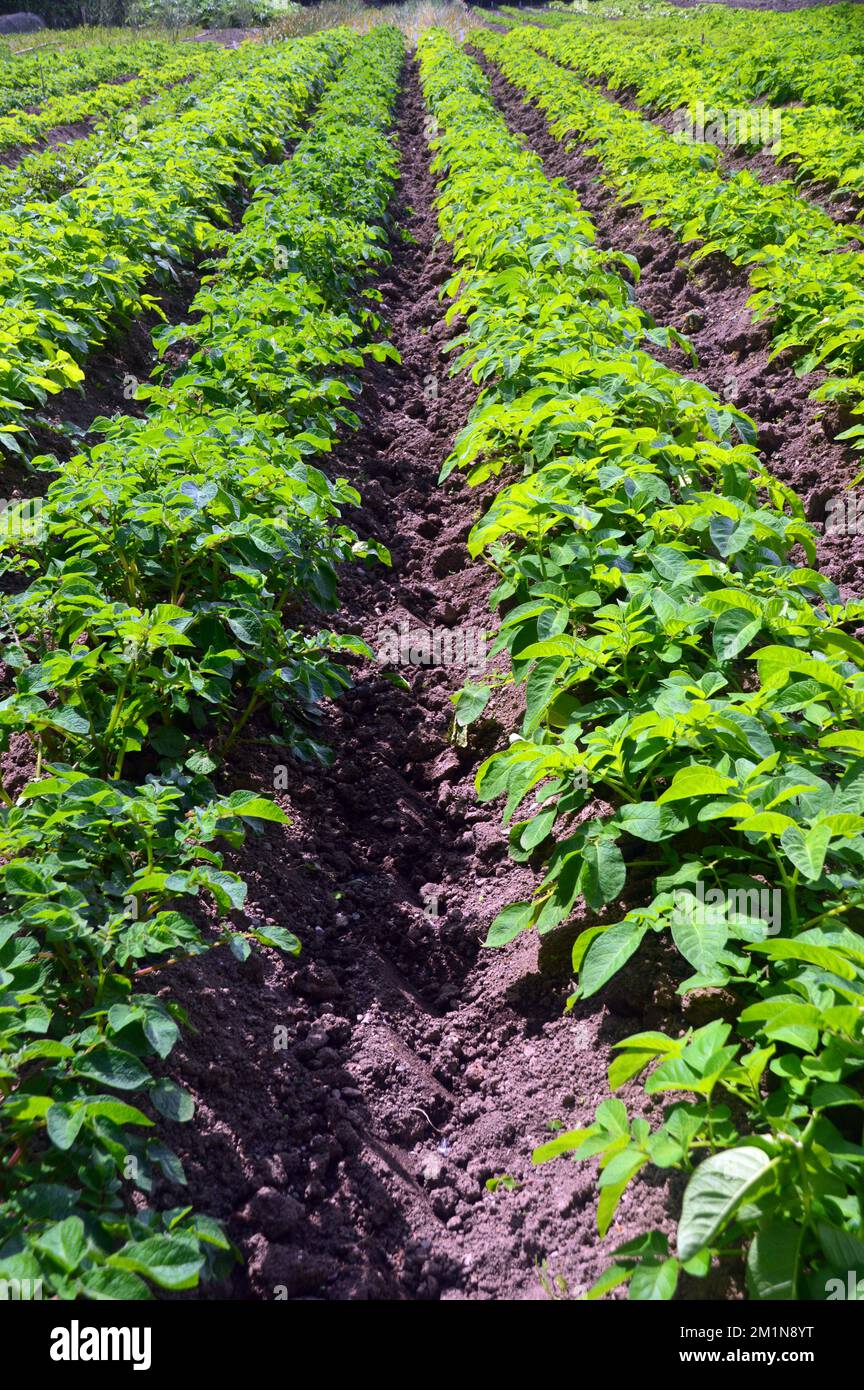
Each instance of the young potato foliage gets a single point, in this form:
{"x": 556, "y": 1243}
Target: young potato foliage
{"x": 153, "y": 623}
{"x": 691, "y": 761}
{"x": 807, "y": 271}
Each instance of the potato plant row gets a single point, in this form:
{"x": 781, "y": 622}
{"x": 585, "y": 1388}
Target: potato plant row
{"x": 807, "y": 272}
{"x": 30, "y": 80}
{"x": 162, "y": 576}
{"x": 690, "y": 770}
{"x": 105, "y": 100}
{"x": 810, "y": 57}
{"x": 825, "y": 143}
{"x": 82, "y": 266}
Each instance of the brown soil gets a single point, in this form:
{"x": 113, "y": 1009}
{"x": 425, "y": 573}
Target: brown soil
{"x": 353, "y": 1103}
{"x": 60, "y": 135}
{"x": 709, "y": 304}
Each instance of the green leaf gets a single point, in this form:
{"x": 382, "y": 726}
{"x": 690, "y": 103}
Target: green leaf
{"x": 113, "y": 1067}
{"x": 607, "y": 953}
{"x": 471, "y": 701}
{"x": 256, "y": 807}
{"x": 715, "y": 1192}
{"x": 64, "y": 1122}
{"x": 820, "y": 956}
{"x": 607, "y": 1205}
{"x": 117, "y": 1111}
{"x": 509, "y": 923}
{"x": 842, "y": 1249}
{"x": 566, "y": 1143}
{"x": 807, "y": 852}
{"x": 538, "y": 691}
{"x": 114, "y": 1284}
{"x": 773, "y": 1260}
{"x": 610, "y": 1279}
{"x": 655, "y": 1283}
{"x": 648, "y": 821}
{"x": 700, "y": 937}
{"x": 765, "y": 823}
{"x": 169, "y": 1261}
{"x": 776, "y": 664}
{"x": 162, "y": 1032}
{"x": 64, "y": 1243}
{"x": 604, "y": 872}
{"x": 172, "y": 1101}
{"x": 279, "y": 937}
{"x": 696, "y": 781}
{"x": 734, "y": 630}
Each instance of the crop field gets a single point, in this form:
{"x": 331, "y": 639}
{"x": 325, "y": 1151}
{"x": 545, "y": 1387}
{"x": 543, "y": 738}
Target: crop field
{"x": 432, "y": 651}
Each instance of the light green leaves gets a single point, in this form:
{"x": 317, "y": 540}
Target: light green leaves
{"x": 734, "y": 631}
{"x": 509, "y": 924}
{"x": 471, "y": 701}
{"x": 169, "y": 1261}
{"x": 696, "y": 781}
{"x": 64, "y": 1243}
{"x": 777, "y": 664}
{"x": 608, "y": 952}
{"x": 712, "y": 764}
{"x": 699, "y": 932}
{"x": 807, "y": 850}
{"x": 170, "y": 558}
{"x": 715, "y": 1192}
{"x": 604, "y": 872}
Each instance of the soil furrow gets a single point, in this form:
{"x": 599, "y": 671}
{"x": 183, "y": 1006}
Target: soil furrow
{"x": 352, "y": 1104}
{"x": 53, "y": 139}
{"x": 797, "y": 437}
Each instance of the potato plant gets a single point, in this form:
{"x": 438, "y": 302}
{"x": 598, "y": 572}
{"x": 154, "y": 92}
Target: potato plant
{"x": 150, "y": 630}
{"x": 683, "y": 665}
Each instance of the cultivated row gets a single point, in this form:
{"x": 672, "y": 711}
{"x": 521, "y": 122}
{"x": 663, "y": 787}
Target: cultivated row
{"x": 690, "y": 763}
{"x": 159, "y": 569}
{"x": 805, "y": 270}
{"x": 75, "y": 268}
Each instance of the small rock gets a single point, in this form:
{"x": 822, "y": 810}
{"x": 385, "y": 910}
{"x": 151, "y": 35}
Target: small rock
{"x": 475, "y": 1075}
{"x": 432, "y": 1171}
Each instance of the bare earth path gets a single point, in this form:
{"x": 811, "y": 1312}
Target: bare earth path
{"x": 352, "y": 1104}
